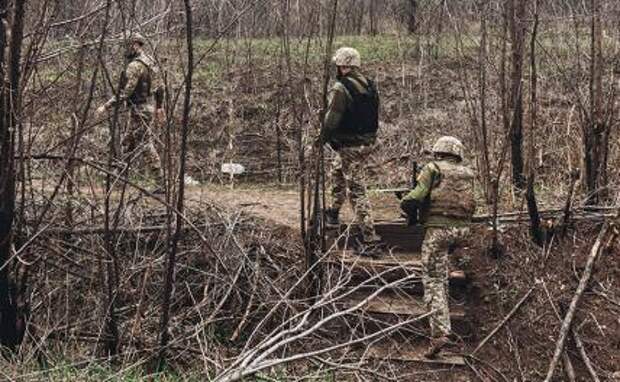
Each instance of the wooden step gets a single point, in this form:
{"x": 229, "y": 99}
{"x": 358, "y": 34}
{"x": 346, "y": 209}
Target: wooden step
{"x": 409, "y": 260}
{"x": 390, "y": 303}
{"x": 392, "y": 266}
{"x": 412, "y": 353}
{"x": 401, "y": 236}
{"x": 397, "y": 234}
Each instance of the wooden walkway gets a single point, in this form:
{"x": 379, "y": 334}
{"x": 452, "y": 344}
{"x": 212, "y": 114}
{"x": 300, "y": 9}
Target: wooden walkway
{"x": 389, "y": 289}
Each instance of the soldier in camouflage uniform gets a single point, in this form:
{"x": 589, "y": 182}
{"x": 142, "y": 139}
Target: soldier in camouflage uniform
{"x": 138, "y": 82}
{"x": 445, "y": 201}
{"x": 350, "y": 128}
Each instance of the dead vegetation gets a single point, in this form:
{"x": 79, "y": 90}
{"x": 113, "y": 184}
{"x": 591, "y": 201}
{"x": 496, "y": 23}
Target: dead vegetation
{"x": 90, "y": 254}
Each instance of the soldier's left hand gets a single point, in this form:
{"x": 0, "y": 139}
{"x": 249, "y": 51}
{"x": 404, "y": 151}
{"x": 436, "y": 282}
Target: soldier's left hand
{"x": 409, "y": 206}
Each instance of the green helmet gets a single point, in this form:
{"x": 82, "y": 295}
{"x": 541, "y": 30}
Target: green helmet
{"x": 449, "y": 145}
{"x": 347, "y": 57}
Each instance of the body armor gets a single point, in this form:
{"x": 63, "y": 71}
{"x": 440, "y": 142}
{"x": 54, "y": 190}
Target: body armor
{"x": 452, "y": 194}
{"x": 142, "y": 92}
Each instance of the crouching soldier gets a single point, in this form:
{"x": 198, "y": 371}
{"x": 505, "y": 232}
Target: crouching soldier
{"x": 444, "y": 199}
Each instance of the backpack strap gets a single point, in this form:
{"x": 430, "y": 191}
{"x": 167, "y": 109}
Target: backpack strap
{"x": 436, "y": 178}
{"x": 143, "y": 62}
{"x": 354, "y": 87}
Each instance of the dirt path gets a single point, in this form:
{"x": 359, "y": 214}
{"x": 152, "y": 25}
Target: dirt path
{"x": 279, "y": 204}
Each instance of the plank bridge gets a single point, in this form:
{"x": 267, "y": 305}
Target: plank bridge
{"x": 388, "y": 290}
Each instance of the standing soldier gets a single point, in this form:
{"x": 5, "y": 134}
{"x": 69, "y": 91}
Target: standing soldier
{"x": 444, "y": 197}
{"x": 350, "y": 128}
{"x": 138, "y": 82}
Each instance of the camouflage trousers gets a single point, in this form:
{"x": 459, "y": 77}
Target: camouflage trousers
{"x": 138, "y": 142}
{"x": 347, "y": 176}
{"x": 435, "y": 274}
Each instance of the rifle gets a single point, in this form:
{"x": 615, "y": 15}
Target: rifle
{"x": 412, "y": 218}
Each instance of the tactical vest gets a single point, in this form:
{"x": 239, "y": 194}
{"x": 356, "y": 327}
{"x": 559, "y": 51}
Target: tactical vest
{"x": 362, "y": 114}
{"x": 452, "y": 193}
{"x": 142, "y": 92}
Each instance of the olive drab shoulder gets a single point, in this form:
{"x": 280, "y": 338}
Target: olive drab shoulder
{"x": 452, "y": 192}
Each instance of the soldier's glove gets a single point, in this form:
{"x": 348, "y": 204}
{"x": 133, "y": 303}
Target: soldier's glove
{"x": 409, "y": 206}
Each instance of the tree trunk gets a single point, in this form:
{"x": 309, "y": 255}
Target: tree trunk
{"x": 164, "y": 335}
{"x": 411, "y": 14}
{"x": 536, "y": 229}
{"x": 596, "y": 134}
{"x": 372, "y": 17}
{"x": 12, "y": 322}
{"x": 483, "y": 142}
{"x": 517, "y": 25}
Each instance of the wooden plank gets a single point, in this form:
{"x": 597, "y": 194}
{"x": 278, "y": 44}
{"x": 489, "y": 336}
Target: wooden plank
{"x": 407, "y": 260}
{"x": 393, "y": 265}
{"x": 410, "y": 353}
{"x": 401, "y": 236}
{"x": 397, "y": 234}
{"x": 394, "y": 304}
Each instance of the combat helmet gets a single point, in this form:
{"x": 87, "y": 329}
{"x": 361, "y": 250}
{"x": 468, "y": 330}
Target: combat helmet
{"x": 449, "y": 145}
{"x": 347, "y": 57}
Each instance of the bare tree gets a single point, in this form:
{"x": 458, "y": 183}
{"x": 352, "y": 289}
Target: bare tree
{"x": 185, "y": 127}
{"x": 536, "y": 230}
{"x": 411, "y": 14}
{"x": 11, "y": 322}
{"x": 596, "y": 128}
{"x": 516, "y": 10}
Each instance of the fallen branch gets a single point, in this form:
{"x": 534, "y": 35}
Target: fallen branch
{"x": 254, "y": 367}
{"x": 568, "y": 367}
{"x": 583, "y": 283}
{"x": 504, "y": 321}
{"x": 584, "y": 356}
{"x": 120, "y": 230}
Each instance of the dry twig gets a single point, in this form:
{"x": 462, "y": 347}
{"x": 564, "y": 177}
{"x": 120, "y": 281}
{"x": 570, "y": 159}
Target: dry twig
{"x": 583, "y": 283}
{"x": 504, "y": 321}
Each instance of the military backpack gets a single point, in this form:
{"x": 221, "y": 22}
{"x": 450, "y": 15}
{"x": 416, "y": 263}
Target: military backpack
{"x": 362, "y": 115}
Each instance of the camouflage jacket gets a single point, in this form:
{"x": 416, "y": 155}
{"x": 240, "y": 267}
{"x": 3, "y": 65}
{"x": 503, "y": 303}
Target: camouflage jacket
{"x": 139, "y": 81}
{"x": 338, "y": 102}
{"x": 444, "y": 194}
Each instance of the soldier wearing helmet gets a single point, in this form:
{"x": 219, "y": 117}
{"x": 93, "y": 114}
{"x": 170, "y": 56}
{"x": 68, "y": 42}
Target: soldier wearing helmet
{"x": 350, "y": 128}
{"x": 444, "y": 197}
{"x": 139, "y": 81}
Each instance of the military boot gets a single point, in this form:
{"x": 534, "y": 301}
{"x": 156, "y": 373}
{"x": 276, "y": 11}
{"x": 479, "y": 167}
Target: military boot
{"x": 437, "y": 344}
{"x": 331, "y": 218}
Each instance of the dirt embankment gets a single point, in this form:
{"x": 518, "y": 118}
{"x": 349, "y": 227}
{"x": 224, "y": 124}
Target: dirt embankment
{"x": 524, "y": 346}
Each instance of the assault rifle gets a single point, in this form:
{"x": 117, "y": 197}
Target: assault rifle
{"x": 412, "y": 218}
